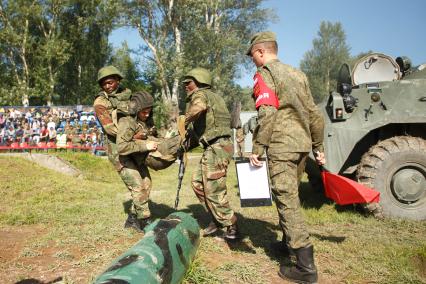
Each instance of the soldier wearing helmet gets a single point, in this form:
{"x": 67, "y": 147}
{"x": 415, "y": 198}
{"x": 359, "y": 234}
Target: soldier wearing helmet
{"x": 135, "y": 140}
{"x": 209, "y": 119}
{"x": 110, "y": 104}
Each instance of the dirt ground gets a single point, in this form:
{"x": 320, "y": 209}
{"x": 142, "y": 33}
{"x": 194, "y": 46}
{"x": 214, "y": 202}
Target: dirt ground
{"x": 44, "y": 264}
{"x": 41, "y": 265}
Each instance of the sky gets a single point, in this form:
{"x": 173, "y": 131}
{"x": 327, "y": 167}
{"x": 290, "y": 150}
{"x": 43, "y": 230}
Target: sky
{"x": 394, "y": 27}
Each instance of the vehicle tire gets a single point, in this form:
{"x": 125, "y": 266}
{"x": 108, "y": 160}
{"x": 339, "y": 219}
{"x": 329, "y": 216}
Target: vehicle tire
{"x": 396, "y": 167}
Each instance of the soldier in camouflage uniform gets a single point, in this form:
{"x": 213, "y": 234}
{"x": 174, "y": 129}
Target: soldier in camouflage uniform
{"x": 110, "y": 104}
{"x": 134, "y": 142}
{"x": 239, "y": 138}
{"x": 289, "y": 126}
{"x": 210, "y": 120}
{"x": 250, "y": 125}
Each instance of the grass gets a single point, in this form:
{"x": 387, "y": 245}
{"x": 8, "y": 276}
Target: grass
{"x": 61, "y": 226}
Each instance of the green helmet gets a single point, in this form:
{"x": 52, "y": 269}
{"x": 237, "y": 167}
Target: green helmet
{"x": 201, "y": 75}
{"x": 139, "y": 101}
{"x": 108, "y": 71}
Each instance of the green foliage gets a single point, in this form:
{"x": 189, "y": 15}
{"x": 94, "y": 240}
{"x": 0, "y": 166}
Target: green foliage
{"x": 162, "y": 114}
{"x": 178, "y": 38}
{"x": 130, "y": 69}
{"x": 86, "y": 26}
{"x": 245, "y": 97}
{"x": 355, "y": 58}
{"x": 51, "y": 50}
{"x": 321, "y": 64}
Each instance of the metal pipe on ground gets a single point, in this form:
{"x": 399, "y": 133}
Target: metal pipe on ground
{"x": 162, "y": 256}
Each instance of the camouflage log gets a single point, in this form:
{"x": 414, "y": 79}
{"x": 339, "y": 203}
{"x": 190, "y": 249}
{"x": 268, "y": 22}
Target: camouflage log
{"x": 162, "y": 256}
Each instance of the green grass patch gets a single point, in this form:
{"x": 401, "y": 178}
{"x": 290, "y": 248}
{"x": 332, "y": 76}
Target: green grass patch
{"x": 78, "y": 224}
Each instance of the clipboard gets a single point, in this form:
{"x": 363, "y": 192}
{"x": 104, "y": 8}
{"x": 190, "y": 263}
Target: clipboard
{"x": 253, "y": 183}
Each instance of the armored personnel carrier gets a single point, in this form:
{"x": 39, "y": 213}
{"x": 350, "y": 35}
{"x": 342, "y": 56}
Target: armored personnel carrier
{"x": 376, "y": 131}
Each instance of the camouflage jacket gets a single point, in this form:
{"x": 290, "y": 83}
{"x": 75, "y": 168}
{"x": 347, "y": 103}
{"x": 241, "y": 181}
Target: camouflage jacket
{"x": 296, "y": 125}
{"x": 106, "y": 106}
{"x": 133, "y": 134}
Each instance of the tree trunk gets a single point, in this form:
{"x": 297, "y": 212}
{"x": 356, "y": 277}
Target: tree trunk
{"x": 178, "y": 48}
{"x": 51, "y": 86}
{"x": 165, "y": 91}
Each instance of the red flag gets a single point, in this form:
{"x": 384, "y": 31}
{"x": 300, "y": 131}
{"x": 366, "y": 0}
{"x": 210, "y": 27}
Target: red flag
{"x": 346, "y": 191}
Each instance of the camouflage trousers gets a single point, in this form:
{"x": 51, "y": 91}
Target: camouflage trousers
{"x": 136, "y": 177}
{"x": 286, "y": 170}
{"x": 209, "y": 181}
{"x": 240, "y": 149}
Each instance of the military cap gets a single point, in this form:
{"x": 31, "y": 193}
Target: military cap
{"x": 261, "y": 37}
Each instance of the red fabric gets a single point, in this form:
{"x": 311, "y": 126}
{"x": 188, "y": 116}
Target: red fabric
{"x": 24, "y": 145}
{"x": 263, "y": 94}
{"x": 346, "y": 191}
{"x": 41, "y": 144}
{"x": 51, "y": 144}
{"x": 14, "y": 145}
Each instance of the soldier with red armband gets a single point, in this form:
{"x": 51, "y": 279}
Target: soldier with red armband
{"x": 289, "y": 126}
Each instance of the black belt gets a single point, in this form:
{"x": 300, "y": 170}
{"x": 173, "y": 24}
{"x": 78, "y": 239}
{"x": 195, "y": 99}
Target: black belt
{"x": 212, "y": 141}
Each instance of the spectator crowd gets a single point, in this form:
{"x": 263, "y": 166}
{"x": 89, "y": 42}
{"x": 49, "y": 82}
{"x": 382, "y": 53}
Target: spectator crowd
{"x": 52, "y": 127}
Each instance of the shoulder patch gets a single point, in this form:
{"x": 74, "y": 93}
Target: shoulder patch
{"x": 262, "y": 93}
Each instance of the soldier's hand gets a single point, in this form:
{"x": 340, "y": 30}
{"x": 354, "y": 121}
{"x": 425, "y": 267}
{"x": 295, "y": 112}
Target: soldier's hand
{"x": 140, "y": 136}
{"x": 151, "y": 145}
{"x": 254, "y": 160}
{"x": 320, "y": 158}
{"x": 153, "y": 131}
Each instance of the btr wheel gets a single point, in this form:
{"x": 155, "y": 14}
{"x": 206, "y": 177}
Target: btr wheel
{"x": 396, "y": 167}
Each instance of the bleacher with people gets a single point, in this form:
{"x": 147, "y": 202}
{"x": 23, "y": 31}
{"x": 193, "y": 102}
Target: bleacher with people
{"x": 50, "y": 128}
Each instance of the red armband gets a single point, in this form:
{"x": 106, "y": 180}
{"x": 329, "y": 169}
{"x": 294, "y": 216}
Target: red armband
{"x": 263, "y": 94}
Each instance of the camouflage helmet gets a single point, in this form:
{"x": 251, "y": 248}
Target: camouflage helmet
{"x": 201, "y": 75}
{"x": 139, "y": 101}
{"x": 165, "y": 155}
{"x": 108, "y": 71}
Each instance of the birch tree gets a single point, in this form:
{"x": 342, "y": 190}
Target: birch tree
{"x": 321, "y": 64}
{"x": 181, "y": 34}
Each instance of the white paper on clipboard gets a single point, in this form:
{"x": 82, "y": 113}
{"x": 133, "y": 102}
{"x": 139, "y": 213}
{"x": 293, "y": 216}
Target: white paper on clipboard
{"x": 253, "y": 181}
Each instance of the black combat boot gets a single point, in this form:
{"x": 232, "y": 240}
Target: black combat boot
{"x": 304, "y": 271}
{"x": 374, "y": 209}
{"x": 211, "y": 229}
{"x": 281, "y": 248}
{"x": 144, "y": 222}
{"x": 231, "y": 232}
{"x": 135, "y": 223}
